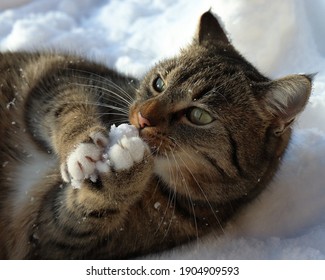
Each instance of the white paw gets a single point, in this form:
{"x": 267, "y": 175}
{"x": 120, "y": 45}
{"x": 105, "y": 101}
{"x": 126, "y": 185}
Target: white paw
{"x": 126, "y": 152}
{"x": 86, "y": 161}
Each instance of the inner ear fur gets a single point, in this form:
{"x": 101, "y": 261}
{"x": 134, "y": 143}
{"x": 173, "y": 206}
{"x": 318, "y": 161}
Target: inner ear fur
{"x": 285, "y": 98}
{"x": 210, "y": 30}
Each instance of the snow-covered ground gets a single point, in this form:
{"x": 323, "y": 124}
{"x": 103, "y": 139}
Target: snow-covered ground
{"x": 279, "y": 37}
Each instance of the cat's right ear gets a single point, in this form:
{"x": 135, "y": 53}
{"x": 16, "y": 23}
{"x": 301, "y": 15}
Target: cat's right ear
{"x": 285, "y": 98}
{"x": 210, "y": 30}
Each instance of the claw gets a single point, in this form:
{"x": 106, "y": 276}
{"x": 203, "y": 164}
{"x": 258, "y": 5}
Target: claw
{"x": 86, "y": 161}
{"x": 99, "y": 139}
{"x": 64, "y": 173}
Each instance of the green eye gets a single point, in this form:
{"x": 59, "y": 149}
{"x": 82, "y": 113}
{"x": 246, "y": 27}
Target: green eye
{"x": 199, "y": 116}
{"x": 159, "y": 85}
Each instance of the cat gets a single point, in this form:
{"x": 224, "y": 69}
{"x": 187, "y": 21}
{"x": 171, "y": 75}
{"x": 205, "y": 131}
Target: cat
{"x": 212, "y": 129}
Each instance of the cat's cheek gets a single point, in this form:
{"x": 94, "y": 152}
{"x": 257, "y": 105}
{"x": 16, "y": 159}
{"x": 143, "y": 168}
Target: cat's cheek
{"x": 162, "y": 169}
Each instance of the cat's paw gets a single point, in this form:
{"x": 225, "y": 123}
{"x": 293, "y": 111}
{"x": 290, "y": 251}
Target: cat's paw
{"x": 86, "y": 160}
{"x": 127, "y": 152}
{"x": 89, "y": 159}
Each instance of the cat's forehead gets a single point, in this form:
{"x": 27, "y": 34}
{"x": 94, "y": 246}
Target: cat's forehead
{"x": 200, "y": 72}
{"x": 204, "y": 67}
{"x": 213, "y": 64}
{"x": 208, "y": 73}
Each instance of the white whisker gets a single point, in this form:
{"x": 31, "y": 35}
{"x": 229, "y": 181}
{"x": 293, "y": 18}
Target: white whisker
{"x": 189, "y": 196}
{"x": 170, "y": 198}
{"x": 106, "y": 90}
{"x": 198, "y": 184}
{"x": 119, "y": 109}
{"x": 104, "y": 80}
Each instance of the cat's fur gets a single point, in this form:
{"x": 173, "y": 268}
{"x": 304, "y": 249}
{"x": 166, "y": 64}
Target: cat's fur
{"x": 193, "y": 181}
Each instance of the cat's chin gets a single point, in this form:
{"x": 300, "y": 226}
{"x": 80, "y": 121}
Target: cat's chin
{"x": 167, "y": 172}
{"x": 162, "y": 168}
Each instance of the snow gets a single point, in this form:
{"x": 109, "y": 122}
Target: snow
{"x": 279, "y": 37}
{"x": 126, "y": 147}
{"x": 116, "y": 133}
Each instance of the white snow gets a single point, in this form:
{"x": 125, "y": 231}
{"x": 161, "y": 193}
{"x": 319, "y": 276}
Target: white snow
{"x": 116, "y": 133}
{"x": 279, "y": 37}
{"x": 126, "y": 147}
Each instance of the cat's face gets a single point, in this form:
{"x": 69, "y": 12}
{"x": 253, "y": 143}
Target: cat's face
{"x": 213, "y": 122}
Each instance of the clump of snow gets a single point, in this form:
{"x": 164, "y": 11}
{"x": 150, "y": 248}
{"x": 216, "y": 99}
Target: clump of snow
{"x": 279, "y": 37}
{"x": 116, "y": 133}
{"x": 126, "y": 147}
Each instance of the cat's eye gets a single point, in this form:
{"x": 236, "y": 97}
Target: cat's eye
{"x": 199, "y": 116}
{"x": 159, "y": 84}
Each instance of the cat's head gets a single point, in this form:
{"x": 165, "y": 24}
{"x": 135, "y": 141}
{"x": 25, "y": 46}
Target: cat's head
{"x": 216, "y": 126}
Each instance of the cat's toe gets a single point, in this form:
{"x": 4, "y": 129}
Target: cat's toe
{"x": 82, "y": 161}
{"x": 127, "y": 152}
{"x": 100, "y": 139}
{"x": 136, "y": 147}
{"x": 85, "y": 162}
{"x": 64, "y": 172}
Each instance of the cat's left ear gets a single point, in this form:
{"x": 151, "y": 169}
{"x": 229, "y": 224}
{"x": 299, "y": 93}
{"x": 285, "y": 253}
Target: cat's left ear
{"x": 285, "y": 98}
{"x": 210, "y": 30}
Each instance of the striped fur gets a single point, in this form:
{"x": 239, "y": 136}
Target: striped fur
{"x": 193, "y": 181}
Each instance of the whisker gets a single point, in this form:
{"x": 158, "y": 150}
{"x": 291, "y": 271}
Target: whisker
{"x": 121, "y": 98}
{"x": 119, "y": 109}
{"x": 189, "y": 196}
{"x": 104, "y": 80}
{"x": 198, "y": 184}
{"x": 168, "y": 203}
{"x": 173, "y": 200}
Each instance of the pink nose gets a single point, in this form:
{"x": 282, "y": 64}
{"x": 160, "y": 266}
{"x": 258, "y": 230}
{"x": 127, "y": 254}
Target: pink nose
{"x": 143, "y": 122}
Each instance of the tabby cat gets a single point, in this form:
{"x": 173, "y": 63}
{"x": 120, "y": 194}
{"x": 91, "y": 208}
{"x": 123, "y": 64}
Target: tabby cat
{"x": 216, "y": 129}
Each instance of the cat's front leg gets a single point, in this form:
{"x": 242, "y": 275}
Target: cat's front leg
{"x": 75, "y": 223}
{"x": 116, "y": 168}
{"x": 131, "y": 166}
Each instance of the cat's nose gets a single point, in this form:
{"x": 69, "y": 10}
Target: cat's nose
{"x": 143, "y": 122}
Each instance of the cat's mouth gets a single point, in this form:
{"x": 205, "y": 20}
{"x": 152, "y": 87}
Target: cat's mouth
{"x": 158, "y": 141}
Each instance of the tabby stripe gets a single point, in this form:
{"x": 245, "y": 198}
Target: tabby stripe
{"x": 183, "y": 211}
{"x": 68, "y": 247}
{"x": 234, "y": 154}
{"x": 99, "y": 213}
{"x": 103, "y": 213}
{"x": 97, "y": 249}
{"x": 183, "y": 205}
{"x": 67, "y": 108}
{"x": 215, "y": 164}
{"x": 56, "y": 208}
{"x": 77, "y": 247}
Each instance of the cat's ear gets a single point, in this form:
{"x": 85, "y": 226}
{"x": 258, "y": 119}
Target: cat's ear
{"x": 285, "y": 99}
{"x": 210, "y": 30}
